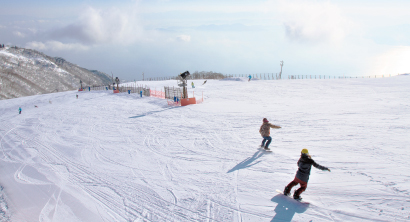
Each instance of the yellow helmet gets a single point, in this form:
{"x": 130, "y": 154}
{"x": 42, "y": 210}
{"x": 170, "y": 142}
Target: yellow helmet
{"x": 305, "y": 151}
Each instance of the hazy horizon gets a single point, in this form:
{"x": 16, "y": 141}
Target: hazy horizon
{"x": 165, "y": 37}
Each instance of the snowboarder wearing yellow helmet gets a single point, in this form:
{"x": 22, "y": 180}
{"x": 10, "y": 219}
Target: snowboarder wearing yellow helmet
{"x": 302, "y": 175}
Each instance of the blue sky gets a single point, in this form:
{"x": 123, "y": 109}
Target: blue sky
{"x": 166, "y": 37}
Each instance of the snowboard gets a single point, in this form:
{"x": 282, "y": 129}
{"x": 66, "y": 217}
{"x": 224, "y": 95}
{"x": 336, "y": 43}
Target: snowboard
{"x": 302, "y": 202}
{"x": 263, "y": 149}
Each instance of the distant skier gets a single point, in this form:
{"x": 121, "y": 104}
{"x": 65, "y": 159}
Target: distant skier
{"x": 250, "y": 77}
{"x": 76, "y": 96}
{"x": 204, "y": 82}
{"x": 19, "y": 110}
{"x": 192, "y": 84}
{"x": 264, "y": 130}
{"x": 302, "y": 175}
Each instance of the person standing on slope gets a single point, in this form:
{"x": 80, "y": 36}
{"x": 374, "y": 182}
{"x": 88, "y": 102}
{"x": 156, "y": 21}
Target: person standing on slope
{"x": 264, "y": 130}
{"x": 250, "y": 77}
{"x": 19, "y": 110}
{"x": 302, "y": 175}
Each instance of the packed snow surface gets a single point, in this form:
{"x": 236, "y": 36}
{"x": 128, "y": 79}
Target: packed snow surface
{"x": 121, "y": 157}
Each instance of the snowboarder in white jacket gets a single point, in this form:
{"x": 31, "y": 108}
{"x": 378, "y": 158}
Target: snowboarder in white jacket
{"x": 305, "y": 163}
{"x": 264, "y": 130}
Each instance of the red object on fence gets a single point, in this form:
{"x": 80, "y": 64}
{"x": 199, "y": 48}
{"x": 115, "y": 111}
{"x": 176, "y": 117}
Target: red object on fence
{"x": 116, "y": 91}
{"x": 189, "y": 101}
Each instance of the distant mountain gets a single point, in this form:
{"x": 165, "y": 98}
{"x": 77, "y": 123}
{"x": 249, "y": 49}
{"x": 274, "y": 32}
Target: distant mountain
{"x": 26, "y": 72}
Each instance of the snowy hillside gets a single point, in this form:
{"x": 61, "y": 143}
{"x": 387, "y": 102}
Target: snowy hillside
{"x": 120, "y": 157}
{"x": 26, "y": 72}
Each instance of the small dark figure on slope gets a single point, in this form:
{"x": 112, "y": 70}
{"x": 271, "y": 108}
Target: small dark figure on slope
{"x": 265, "y": 133}
{"x": 305, "y": 163}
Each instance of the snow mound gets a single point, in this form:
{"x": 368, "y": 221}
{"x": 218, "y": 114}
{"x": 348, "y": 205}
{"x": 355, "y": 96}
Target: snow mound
{"x": 4, "y": 209}
{"x": 243, "y": 79}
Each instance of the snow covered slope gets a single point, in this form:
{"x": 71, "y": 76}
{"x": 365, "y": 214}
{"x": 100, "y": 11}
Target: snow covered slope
{"x": 120, "y": 157}
{"x": 26, "y": 72}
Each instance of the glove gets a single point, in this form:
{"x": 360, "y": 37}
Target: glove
{"x": 328, "y": 170}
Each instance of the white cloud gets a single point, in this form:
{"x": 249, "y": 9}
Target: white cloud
{"x": 36, "y": 45}
{"x": 19, "y": 34}
{"x": 394, "y": 61}
{"x": 33, "y": 30}
{"x": 184, "y": 38}
{"x": 56, "y": 46}
{"x": 179, "y": 38}
{"x": 314, "y": 22}
{"x": 104, "y": 27}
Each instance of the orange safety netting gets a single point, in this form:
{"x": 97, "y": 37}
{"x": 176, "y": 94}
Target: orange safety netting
{"x": 158, "y": 94}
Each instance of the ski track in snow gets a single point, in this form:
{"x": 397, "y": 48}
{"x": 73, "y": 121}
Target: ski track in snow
{"x": 119, "y": 157}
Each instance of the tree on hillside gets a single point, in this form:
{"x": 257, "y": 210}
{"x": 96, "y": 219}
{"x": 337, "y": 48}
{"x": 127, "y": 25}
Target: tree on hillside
{"x": 207, "y": 75}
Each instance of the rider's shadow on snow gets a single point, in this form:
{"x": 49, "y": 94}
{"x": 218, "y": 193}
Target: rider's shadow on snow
{"x": 248, "y": 162}
{"x": 286, "y": 208}
{"x": 152, "y": 112}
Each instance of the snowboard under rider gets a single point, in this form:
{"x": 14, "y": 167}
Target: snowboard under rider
{"x": 305, "y": 163}
{"x": 265, "y": 133}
